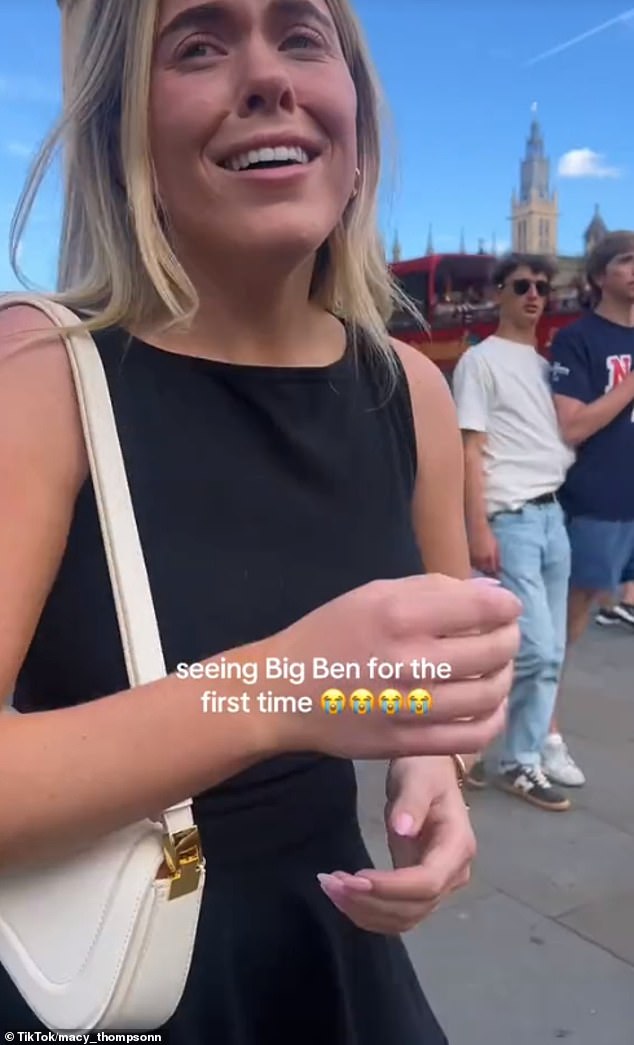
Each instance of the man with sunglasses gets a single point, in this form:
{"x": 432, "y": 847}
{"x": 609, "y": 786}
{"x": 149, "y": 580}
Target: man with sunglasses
{"x": 515, "y": 462}
{"x": 592, "y": 379}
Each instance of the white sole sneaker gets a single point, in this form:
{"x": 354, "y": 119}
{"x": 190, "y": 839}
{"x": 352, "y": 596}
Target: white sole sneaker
{"x": 568, "y": 778}
{"x": 560, "y": 767}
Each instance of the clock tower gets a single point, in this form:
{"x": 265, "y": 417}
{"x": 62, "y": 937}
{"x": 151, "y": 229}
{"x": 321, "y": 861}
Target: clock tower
{"x": 534, "y": 210}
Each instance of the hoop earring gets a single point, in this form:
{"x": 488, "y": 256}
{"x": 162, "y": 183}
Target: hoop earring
{"x": 357, "y": 183}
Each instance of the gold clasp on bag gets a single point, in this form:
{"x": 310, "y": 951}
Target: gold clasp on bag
{"x": 183, "y": 862}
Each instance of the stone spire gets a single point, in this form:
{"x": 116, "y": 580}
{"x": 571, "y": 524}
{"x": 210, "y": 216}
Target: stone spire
{"x": 596, "y": 230}
{"x": 535, "y": 167}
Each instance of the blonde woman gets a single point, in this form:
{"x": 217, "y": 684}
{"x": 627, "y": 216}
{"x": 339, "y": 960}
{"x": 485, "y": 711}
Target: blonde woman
{"x": 290, "y": 469}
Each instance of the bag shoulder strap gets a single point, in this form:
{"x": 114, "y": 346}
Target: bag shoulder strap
{"x": 136, "y": 616}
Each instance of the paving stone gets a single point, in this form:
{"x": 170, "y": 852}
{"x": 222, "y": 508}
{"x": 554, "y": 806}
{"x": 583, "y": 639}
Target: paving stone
{"x": 550, "y": 861}
{"x": 600, "y": 715}
{"x": 499, "y": 974}
{"x": 608, "y": 921}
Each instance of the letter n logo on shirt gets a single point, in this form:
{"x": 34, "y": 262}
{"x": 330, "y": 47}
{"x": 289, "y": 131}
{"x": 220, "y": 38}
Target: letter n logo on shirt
{"x": 618, "y": 369}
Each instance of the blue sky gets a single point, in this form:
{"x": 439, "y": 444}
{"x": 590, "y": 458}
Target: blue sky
{"x": 460, "y": 78}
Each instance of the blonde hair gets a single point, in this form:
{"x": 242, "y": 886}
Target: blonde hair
{"x": 116, "y": 264}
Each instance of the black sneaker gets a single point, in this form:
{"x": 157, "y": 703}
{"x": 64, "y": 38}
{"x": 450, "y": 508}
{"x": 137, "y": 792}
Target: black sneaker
{"x": 530, "y": 783}
{"x": 624, "y": 611}
{"x": 477, "y": 777}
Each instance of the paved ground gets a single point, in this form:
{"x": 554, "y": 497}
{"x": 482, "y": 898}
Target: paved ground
{"x": 540, "y": 947}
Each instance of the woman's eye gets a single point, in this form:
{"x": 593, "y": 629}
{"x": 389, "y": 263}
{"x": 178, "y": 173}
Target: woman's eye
{"x": 303, "y": 40}
{"x": 198, "y": 49}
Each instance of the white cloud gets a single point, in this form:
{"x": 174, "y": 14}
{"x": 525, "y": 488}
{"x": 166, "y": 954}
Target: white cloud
{"x": 584, "y": 163}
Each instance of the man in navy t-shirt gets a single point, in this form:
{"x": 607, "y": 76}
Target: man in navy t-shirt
{"x": 592, "y": 380}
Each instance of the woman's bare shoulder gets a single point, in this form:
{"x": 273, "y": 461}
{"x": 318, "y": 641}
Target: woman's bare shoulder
{"x": 415, "y": 361}
{"x": 18, "y": 324}
{"x": 426, "y": 381}
{"x": 42, "y": 467}
{"x": 39, "y": 414}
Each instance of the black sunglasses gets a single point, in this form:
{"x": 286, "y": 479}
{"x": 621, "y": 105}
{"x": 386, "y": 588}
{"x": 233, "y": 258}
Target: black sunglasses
{"x": 522, "y": 286}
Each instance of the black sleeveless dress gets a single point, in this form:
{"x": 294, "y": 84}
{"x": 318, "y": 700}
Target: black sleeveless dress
{"x": 260, "y": 494}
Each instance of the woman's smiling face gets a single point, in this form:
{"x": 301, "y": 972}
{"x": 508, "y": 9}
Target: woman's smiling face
{"x": 253, "y": 125}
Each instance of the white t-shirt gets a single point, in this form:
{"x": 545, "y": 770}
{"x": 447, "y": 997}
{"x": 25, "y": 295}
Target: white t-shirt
{"x": 502, "y": 388}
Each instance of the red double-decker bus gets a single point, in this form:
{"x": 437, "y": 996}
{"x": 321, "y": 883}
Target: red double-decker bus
{"x": 456, "y": 296}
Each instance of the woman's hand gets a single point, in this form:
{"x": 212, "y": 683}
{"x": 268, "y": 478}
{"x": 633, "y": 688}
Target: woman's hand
{"x": 432, "y": 846}
{"x": 469, "y": 625}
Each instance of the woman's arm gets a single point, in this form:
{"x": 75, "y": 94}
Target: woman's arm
{"x": 438, "y": 508}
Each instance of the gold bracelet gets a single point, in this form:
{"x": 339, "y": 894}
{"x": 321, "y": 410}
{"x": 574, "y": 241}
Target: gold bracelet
{"x": 461, "y": 774}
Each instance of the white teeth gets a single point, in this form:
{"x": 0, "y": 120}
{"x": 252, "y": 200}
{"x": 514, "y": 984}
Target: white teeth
{"x": 281, "y": 154}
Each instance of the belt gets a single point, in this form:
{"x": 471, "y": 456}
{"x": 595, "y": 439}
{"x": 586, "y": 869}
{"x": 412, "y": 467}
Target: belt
{"x": 544, "y": 498}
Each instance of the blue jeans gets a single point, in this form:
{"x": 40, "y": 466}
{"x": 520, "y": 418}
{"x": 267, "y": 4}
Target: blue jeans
{"x": 535, "y": 566}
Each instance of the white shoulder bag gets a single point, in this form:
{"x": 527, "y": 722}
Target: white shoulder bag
{"x": 103, "y": 940}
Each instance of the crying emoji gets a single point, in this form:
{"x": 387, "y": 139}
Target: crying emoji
{"x": 333, "y": 701}
{"x": 390, "y": 701}
{"x": 361, "y": 701}
{"x": 419, "y": 701}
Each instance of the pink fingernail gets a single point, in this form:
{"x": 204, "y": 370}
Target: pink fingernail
{"x": 403, "y": 824}
{"x": 485, "y": 580}
{"x": 328, "y": 882}
{"x": 357, "y": 884}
